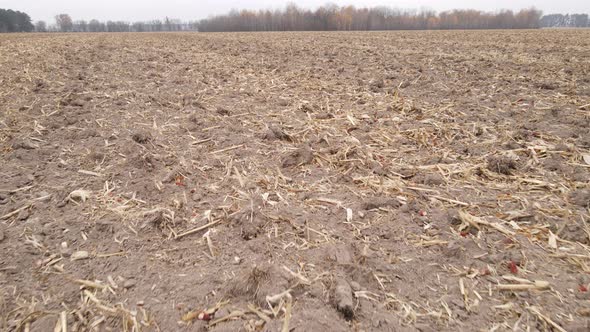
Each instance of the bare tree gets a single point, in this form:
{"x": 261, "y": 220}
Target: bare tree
{"x": 40, "y": 26}
{"x": 80, "y": 26}
{"x": 96, "y": 26}
{"x": 139, "y": 27}
{"x": 64, "y": 22}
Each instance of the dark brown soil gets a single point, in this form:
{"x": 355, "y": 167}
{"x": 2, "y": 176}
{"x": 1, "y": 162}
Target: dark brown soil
{"x": 581, "y": 197}
{"x": 377, "y": 181}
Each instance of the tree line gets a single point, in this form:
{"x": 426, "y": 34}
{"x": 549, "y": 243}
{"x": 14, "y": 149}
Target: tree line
{"x": 15, "y": 21}
{"x": 65, "y": 23}
{"x": 293, "y": 18}
{"x": 565, "y": 21}
{"x": 332, "y": 17}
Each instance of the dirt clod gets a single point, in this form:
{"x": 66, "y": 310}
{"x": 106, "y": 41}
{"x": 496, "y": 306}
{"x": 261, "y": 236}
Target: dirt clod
{"x": 324, "y": 116}
{"x": 502, "y": 165}
{"x": 355, "y": 286}
{"x": 343, "y": 298}
{"x": 553, "y": 164}
{"x": 301, "y": 156}
{"x": 250, "y": 231}
{"x": 573, "y": 231}
{"x": 276, "y": 133}
{"x": 141, "y": 137}
{"x": 25, "y": 144}
{"x": 341, "y": 254}
{"x": 223, "y": 111}
{"x": 376, "y": 85}
{"x": 547, "y": 85}
{"x": 258, "y": 282}
{"x": 581, "y": 197}
{"x": 24, "y": 214}
{"x": 434, "y": 179}
{"x": 154, "y": 219}
{"x": 379, "y": 202}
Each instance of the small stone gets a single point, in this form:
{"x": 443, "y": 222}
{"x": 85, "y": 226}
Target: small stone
{"x": 237, "y": 260}
{"x": 1, "y": 235}
{"x": 355, "y": 286}
{"x": 129, "y": 283}
{"x": 65, "y": 251}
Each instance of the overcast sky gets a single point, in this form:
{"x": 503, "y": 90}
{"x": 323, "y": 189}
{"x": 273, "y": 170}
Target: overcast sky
{"x": 138, "y": 10}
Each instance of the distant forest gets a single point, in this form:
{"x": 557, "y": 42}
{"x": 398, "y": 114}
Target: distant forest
{"x": 325, "y": 18}
{"x": 64, "y": 23}
{"x": 328, "y": 18}
{"x": 14, "y": 21}
{"x": 565, "y": 21}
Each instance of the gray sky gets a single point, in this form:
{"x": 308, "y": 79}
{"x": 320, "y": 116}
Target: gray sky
{"x": 138, "y": 10}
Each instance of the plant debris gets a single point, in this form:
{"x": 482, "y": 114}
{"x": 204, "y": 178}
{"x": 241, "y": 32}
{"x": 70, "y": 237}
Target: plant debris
{"x": 307, "y": 181}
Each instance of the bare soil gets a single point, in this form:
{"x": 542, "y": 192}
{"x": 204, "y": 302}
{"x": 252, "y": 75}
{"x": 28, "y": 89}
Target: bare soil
{"x": 431, "y": 181}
